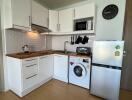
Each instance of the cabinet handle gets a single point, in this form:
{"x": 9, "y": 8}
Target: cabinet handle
{"x": 59, "y": 27}
{"x": 19, "y": 26}
{"x": 31, "y": 76}
{"x": 29, "y": 20}
{"x": 43, "y": 57}
{"x": 31, "y": 60}
{"x": 48, "y": 22}
{"x": 31, "y": 65}
{"x": 59, "y": 56}
{"x": 74, "y": 13}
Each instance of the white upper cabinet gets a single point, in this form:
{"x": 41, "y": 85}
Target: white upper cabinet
{"x": 40, "y": 14}
{"x": 53, "y": 20}
{"x": 66, "y": 20}
{"x": 84, "y": 11}
{"x": 17, "y": 14}
{"x": 61, "y": 21}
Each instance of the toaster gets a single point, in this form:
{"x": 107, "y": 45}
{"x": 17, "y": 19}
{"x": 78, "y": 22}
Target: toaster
{"x": 83, "y": 50}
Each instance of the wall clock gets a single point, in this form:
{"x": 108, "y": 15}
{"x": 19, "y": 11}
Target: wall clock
{"x": 110, "y": 11}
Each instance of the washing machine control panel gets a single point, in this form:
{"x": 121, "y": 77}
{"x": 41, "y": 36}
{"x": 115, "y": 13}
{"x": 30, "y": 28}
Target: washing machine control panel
{"x": 86, "y": 60}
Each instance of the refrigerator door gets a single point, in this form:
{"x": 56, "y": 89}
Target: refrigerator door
{"x": 105, "y": 82}
{"x": 108, "y": 52}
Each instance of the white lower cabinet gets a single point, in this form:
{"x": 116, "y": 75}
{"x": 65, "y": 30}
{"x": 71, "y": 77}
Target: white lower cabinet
{"x": 46, "y": 68}
{"x": 25, "y": 75}
{"x": 61, "y": 67}
{"x": 22, "y": 75}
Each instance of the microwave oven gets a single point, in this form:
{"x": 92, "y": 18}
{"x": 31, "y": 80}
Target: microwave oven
{"x": 83, "y": 24}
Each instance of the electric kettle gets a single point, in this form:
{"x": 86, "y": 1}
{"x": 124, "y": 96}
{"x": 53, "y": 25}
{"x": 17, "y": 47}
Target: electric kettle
{"x": 25, "y": 49}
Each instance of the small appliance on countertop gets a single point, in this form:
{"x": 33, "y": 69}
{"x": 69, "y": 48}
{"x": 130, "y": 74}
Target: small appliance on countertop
{"x": 25, "y": 48}
{"x": 84, "y": 51}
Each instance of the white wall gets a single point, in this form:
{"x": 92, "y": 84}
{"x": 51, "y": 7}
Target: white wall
{"x": 110, "y": 29}
{"x": 15, "y": 40}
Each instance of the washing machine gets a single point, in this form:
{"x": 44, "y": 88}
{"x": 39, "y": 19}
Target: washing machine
{"x": 79, "y": 71}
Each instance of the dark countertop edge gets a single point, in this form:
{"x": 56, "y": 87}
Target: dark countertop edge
{"x": 49, "y": 53}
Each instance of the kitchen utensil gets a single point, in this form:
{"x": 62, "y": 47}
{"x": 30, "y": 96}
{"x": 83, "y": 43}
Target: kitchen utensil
{"x": 72, "y": 40}
{"x": 76, "y": 39}
{"x": 85, "y": 40}
{"x": 79, "y": 40}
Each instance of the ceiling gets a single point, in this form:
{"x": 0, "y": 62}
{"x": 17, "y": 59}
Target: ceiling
{"x": 54, "y": 4}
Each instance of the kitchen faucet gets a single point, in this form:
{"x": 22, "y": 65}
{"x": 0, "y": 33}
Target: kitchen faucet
{"x": 65, "y": 50}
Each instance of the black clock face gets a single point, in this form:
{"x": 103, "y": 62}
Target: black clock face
{"x": 110, "y": 11}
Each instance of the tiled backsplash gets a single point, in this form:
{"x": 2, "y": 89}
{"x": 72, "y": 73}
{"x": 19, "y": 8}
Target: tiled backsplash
{"x": 15, "y": 40}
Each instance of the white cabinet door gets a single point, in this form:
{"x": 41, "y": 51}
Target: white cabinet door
{"x": 84, "y": 11}
{"x": 40, "y": 14}
{"x": 14, "y": 74}
{"x": 61, "y": 67}
{"x": 46, "y": 67}
{"x": 29, "y": 72}
{"x": 66, "y": 20}
{"x": 21, "y": 12}
{"x": 53, "y": 20}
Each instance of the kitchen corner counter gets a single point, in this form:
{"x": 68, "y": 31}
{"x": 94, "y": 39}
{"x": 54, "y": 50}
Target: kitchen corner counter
{"x": 22, "y": 55}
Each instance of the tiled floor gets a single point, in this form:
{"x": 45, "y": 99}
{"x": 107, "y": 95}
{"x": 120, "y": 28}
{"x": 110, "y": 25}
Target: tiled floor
{"x": 56, "y": 90}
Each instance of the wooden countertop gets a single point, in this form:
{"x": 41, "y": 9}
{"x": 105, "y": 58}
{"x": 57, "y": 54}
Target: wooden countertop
{"x": 22, "y": 55}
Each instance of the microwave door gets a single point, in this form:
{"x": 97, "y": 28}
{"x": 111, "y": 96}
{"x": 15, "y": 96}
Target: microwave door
{"x": 81, "y": 26}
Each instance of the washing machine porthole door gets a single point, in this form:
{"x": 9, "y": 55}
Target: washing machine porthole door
{"x": 79, "y": 71}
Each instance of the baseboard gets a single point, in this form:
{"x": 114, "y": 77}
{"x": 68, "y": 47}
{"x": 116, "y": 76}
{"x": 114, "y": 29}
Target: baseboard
{"x": 61, "y": 79}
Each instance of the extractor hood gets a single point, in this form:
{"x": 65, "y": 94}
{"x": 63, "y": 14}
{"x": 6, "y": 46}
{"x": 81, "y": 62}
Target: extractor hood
{"x": 34, "y": 28}
{"x": 39, "y": 29}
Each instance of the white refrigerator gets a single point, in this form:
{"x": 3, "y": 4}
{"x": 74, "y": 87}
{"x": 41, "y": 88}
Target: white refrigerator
{"x": 106, "y": 69}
